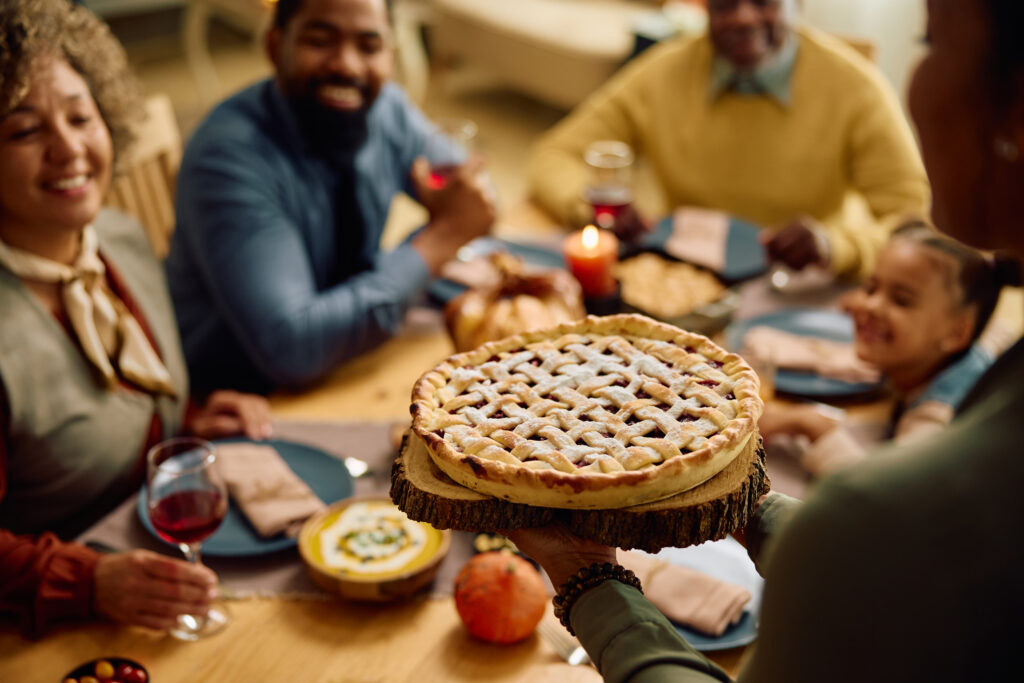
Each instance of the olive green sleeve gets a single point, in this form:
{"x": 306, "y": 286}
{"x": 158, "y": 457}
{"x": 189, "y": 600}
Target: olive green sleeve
{"x": 772, "y": 514}
{"x": 630, "y": 640}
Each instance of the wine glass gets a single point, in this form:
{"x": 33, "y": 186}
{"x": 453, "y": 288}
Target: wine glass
{"x": 609, "y": 188}
{"x": 186, "y": 500}
{"x": 447, "y": 147}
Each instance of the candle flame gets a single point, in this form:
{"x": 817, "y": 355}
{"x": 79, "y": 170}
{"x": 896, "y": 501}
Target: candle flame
{"x": 590, "y": 237}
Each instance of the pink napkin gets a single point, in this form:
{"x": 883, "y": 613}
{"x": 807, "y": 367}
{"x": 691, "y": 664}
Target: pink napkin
{"x": 687, "y": 596}
{"x": 699, "y": 236}
{"x": 799, "y": 352}
{"x": 271, "y": 497}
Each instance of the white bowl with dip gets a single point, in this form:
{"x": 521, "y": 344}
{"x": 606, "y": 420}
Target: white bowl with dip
{"x": 367, "y": 549}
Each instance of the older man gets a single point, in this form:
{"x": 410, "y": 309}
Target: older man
{"x": 275, "y": 267}
{"x": 782, "y": 126}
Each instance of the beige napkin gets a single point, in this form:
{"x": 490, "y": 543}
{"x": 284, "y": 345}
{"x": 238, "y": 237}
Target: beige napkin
{"x": 687, "y": 596}
{"x": 799, "y": 352}
{"x": 699, "y": 236}
{"x": 272, "y": 498}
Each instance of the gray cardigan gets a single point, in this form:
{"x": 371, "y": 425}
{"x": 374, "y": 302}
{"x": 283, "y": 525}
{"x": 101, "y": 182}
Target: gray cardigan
{"x": 74, "y": 447}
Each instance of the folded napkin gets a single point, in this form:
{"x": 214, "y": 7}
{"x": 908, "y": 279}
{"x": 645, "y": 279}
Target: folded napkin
{"x": 687, "y": 596}
{"x": 699, "y": 236}
{"x": 271, "y": 497}
{"x": 823, "y": 357}
{"x": 478, "y": 272}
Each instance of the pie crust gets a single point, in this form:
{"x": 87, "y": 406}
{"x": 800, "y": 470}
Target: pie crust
{"x": 597, "y": 413}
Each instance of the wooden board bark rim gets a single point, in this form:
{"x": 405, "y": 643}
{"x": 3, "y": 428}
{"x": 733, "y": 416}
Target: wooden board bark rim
{"x": 707, "y": 512}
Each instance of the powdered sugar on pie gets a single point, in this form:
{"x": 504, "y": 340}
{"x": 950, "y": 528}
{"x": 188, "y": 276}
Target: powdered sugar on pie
{"x": 599, "y": 413}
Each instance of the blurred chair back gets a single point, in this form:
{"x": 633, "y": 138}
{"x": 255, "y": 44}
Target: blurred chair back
{"x": 145, "y": 186}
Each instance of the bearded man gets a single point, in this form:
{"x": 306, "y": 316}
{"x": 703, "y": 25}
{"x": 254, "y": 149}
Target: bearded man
{"x": 275, "y": 267}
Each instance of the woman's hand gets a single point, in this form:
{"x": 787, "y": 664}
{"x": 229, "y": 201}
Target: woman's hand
{"x": 559, "y": 551}
{"x": 144, "y": 588}
{"x": 227, "y": 413}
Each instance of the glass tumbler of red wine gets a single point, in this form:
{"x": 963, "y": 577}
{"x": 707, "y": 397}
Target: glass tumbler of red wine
{"x": 447, "y": 147}
{"x": 186, "y": 500}
{"x": 609, "y": 188}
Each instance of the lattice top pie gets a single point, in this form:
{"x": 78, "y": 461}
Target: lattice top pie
{"x": 598, "y": 413}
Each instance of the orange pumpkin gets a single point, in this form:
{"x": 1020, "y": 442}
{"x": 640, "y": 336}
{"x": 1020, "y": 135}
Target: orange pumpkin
{"x": 500, "y": 597}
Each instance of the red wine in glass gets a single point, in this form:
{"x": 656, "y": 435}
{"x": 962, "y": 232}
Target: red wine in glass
{"x": 608, "y": 201}
{"x": 188, "y": 516}
{"x": 186, "y": 500}
{"x": 439, "y": 175}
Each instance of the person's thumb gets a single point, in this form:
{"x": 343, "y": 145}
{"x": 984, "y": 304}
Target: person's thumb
{"x": 420, "y": 175}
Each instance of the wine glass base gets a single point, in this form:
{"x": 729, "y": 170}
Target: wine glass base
{"x": 192, "y": 628}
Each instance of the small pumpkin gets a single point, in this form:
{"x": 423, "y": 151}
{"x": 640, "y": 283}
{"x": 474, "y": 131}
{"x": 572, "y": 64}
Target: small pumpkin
{"x": 500, "y": 597}
{"x": 521, "y": 301}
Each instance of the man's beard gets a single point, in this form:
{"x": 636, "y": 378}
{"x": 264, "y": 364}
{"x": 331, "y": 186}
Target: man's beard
{"x": 330, "y": 131}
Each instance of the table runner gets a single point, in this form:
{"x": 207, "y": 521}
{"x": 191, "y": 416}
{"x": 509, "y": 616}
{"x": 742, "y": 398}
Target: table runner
{"x": 283, "y": 574}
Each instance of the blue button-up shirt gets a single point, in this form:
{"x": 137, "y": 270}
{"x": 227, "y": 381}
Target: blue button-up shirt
{"x": 252, "y": 257}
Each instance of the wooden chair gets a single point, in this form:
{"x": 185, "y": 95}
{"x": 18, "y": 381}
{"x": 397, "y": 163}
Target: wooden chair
{"x": 145, "y": 186}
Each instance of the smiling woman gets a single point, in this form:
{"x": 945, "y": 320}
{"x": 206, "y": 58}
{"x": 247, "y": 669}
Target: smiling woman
{"x": 91, "y": 373}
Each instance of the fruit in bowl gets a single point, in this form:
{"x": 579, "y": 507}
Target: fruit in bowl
{"x": 500, "y": 597}
{"x": 108, "y": 670}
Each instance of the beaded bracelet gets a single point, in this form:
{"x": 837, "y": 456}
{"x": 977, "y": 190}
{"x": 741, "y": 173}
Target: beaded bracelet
{"x": 587, "y": 578}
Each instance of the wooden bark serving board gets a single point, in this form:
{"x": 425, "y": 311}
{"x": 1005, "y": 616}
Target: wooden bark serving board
{"x": 704, "y": 513}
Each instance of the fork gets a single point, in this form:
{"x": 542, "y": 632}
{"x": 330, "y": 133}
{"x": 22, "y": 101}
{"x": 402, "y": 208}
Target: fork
{"x": 567, "y": 647}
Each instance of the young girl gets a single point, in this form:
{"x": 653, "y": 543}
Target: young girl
{"x": 918, "y": 319}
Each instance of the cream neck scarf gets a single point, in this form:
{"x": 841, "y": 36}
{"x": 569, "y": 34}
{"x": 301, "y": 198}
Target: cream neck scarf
{"x": 112, "y": 339}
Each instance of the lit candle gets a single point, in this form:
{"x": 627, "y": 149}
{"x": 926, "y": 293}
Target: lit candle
{"x": 591, "y": 255}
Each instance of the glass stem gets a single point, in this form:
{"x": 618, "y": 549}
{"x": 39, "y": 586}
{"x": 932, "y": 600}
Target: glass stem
{"x": 193, "y": 622}
{"x": 191, "y": 552}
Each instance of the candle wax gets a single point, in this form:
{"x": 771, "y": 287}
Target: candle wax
{"x": 593, "y": 266}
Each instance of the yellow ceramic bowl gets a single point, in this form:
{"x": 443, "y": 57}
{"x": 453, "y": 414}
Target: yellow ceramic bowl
{"x": 367, "y": 549}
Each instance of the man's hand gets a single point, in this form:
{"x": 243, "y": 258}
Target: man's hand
{"x": 146, "y": 589}
{"x": 796, "y": 244}
{"x": 228, "y": 412}
{"x": 560, "y": 552}
{"x": 629, "y": 225}
{"x": 461, "y": 211}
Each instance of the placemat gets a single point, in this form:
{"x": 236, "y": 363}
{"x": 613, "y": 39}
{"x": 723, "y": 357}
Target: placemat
{"x": 282, "y": 574}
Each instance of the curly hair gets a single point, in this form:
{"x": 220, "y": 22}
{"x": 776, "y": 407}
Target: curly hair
{"x": 34, "y": 30}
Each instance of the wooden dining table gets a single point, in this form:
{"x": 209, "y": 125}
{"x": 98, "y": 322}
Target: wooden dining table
{"x": 278, "y": 638}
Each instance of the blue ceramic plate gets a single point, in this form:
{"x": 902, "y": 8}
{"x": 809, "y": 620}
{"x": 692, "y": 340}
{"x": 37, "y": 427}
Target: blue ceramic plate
{"x": 744, "y": 255}
{"x": 325, "y": 474}
{"x": 811, "y": 322}
{"x": 443, "y": 290}
{"x": 725, "y": 560}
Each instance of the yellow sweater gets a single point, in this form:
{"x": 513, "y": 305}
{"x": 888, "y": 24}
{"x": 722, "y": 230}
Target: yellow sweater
{"x": 841, "y": 135}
